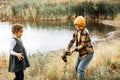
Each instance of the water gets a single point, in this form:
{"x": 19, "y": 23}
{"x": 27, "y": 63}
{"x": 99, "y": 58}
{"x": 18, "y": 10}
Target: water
{"x": 48, "y": 36}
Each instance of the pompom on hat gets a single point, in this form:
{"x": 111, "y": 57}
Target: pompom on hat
{"x": 80, "y": 20}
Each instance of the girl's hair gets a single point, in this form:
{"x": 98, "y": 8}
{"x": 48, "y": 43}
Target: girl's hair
{"x": 16, "y": 28}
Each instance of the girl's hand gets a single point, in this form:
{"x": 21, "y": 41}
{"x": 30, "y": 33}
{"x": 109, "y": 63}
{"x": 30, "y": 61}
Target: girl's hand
{"x": 19, "y": 56}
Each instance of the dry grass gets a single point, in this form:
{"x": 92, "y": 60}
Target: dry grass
{"x": 4, "y": 75}
{"x": 106, "y": 62}
{"x": 105, "y": 65}
{"x": 115, "y": 22}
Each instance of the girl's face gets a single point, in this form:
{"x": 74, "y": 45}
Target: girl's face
{"x": 19, "y": 34}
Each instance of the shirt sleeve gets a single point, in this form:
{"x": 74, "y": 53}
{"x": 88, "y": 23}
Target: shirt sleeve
{"x": 12, "y": 45}
{"x": 71, "y": 42}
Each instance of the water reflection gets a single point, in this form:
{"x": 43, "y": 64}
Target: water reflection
{"x": 99, "y": 28}
{"x": 94, "y": 27}
{"x": 48, "y": 36}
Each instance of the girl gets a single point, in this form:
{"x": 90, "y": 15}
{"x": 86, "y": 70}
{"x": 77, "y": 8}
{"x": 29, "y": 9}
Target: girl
{"x": 18, "y": 61}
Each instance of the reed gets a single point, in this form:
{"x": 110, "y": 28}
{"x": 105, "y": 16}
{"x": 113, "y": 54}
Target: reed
{"x": 38, "y": 10}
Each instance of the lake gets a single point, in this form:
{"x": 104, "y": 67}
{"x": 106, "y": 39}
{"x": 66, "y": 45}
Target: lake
{"x": 49, "y": 36}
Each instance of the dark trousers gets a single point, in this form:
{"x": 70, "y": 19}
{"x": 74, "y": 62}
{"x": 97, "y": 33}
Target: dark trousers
{"x": 19, "y": 75}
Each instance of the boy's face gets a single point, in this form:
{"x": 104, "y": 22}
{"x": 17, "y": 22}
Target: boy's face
{"x": 19, "y": 34}
{"x": 79, "y": 28}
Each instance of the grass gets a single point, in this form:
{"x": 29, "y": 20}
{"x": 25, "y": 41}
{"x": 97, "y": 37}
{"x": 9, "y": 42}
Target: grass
{"x": 51, "y": 10}
{"x": 105, "y": 65}
{"x": 117, "y": 18}
{"x": 106, "y": 62}
{"x": 4, "y": 75}
{"x": 115, "y": 22}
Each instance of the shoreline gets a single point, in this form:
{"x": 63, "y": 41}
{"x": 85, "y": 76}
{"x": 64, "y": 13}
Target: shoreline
{"x": 111, "y": 23}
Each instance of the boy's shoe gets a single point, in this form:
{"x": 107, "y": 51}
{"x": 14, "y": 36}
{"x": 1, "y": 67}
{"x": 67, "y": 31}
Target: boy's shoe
{"x": 64, "y": 58}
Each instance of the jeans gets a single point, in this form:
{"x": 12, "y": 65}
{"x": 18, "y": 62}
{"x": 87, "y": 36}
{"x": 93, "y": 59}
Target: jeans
{"x": 81, "y": 65}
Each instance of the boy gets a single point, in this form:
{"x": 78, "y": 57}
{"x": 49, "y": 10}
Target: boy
{"x": 18, "y": 60}
{"x": 83, "y": 47}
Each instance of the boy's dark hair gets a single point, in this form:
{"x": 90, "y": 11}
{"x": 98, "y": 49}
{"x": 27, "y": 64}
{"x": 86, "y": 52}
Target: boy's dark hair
{"x": 16, "y": 28}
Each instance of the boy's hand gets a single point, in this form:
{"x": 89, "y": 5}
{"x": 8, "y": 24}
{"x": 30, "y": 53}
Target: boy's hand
{"x": 19, "y": 56}
{"x": 72, "y": 50}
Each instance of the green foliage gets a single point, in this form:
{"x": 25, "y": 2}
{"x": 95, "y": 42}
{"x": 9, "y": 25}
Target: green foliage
{"x": 46, "y": 9}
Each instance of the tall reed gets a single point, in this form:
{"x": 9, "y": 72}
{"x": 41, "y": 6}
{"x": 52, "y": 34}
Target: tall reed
{"x": 39, "y": 10}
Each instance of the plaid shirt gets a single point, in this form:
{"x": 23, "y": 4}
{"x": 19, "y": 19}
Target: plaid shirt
{"x": 83, "y": 43}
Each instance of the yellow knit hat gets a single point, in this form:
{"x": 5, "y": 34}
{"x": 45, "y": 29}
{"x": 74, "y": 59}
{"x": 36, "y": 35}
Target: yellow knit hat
{"x": 80, "y": 20}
